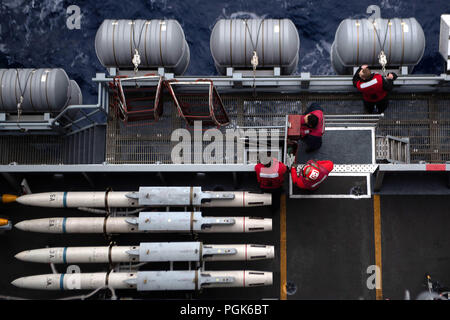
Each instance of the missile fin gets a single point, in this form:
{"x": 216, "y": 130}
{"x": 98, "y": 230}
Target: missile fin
{"x": 133, "y": 252}
{"x": 132, "y": 195}
{"x": 133, "y": 221}
{"x": 132, "y": 281}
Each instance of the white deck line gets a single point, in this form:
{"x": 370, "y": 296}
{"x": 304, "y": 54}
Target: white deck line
{"x": 368, "y": 195}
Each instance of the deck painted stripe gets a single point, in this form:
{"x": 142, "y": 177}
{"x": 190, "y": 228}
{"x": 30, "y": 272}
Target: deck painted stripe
{"x": 435, "y": 167}
{"x": 65, "y": 200}
{"x": 64, "y": 225}
{"x": 377, "y": 232}
{"x": 65, "y": 255}
{"x": 61, "y": 282}
{"x": 283, "y": 260}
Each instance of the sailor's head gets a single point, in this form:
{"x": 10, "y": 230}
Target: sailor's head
{"x": 272, "y": 161}
{"x": 365, "y": 72}
{"x": 310, "y": 173}
{"x": 311, "y": 120}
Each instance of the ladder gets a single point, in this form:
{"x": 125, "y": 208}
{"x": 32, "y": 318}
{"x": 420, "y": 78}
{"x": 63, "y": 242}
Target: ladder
{"x": 392, "y": 149}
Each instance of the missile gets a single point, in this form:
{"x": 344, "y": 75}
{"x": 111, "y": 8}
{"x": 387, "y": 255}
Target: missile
{"x": 147, "y": 197}
{"x": 8, "y": 198}
{"x": 150, "y": 252}
{"x": 148, "y": 222}
{"x": 147, "y": 280}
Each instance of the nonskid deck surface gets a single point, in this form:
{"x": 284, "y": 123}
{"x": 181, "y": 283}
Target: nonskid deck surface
{"x": 424, "y": 118}
{"x": 331, "y": 245}
{"x": 329, "y": 242}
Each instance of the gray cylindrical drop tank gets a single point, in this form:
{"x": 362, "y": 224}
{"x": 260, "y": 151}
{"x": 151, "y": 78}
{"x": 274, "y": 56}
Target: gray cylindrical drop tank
{"x": 277, "y": 45}
{"x": 160, "y": 43}
{"x": 76, "y": 98}
{"x": 43, "y": 90}
{"x": 356, "y": 43}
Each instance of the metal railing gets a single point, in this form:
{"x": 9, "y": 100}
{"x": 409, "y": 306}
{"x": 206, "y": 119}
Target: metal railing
{"x": 423, "y": 118}
{"x": 86, "y": 119}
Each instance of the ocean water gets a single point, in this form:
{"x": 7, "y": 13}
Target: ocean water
{"x": 33, "y": 33}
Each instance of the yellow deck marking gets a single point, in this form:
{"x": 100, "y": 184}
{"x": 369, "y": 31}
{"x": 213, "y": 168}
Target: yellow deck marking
{"x": 377, "y": 232}
{"x": 283, "y": 270}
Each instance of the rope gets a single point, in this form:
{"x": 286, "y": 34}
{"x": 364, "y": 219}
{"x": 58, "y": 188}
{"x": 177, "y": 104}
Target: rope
{"x": 22, "y": 93}
{"x": 254, "y": 60}
{"x": 137, "y": 58}
{"x": 382, "y": 59}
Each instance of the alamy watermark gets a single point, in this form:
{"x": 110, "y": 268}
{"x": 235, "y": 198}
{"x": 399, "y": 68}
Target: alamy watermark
{"x": 374, "y": 280}
{"x": 74, "y": 17}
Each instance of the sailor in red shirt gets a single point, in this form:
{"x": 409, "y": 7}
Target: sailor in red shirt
{"x": 271, "y": 175}
{"x": 312, "y": 174}
{"x": 312, "y": 127}
{"x": 374, "y": 88}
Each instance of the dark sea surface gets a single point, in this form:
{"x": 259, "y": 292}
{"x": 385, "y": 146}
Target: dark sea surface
{"x": 34, "y": 33}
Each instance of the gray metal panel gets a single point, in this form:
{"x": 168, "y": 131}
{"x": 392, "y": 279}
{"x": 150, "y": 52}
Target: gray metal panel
{"x": 166, "y": 280}
{"x": 167, "y": 251}
{"x": 177, "y": 196}
{"x": 276, "y": 42}
{"x": 166, "y": 221}
{"x": 127, "y": 168}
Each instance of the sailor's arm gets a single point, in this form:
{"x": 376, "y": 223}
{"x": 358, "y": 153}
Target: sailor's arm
{"x": 388, "y": 81}
{"x": 356, "y": 77}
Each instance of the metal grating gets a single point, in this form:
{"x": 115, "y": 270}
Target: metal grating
{"x": 27, "y": 149}
{"x": 424, "y": 118}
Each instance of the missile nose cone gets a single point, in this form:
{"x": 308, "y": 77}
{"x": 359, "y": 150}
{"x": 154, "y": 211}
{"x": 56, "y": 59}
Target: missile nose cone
{"x": 36, "y": 255}
{"x": 26, "y": 199}
{"x": 23, "y": 225}
{"x": 18, "y": 283}
{"x": 8, "y": 198}
{"x": 42, "y": 282}
{"x": 22, "y": 255}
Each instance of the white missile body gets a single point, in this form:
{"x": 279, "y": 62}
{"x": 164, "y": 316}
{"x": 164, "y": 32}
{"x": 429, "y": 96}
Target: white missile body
{"x": 150, "y": 252}
{"x": 147, "y": 197}
{"x": 78, "y": 199}
{"x": 148, "y": 222}
{"x": 147, "y": 280}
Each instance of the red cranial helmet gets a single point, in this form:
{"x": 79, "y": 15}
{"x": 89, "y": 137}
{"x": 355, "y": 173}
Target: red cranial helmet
{"x": 310, "y": 172}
